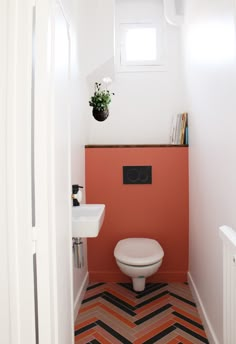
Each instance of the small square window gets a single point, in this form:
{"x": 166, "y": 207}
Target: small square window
{"x": 140, "y": 47}
{"x": 140, "y": 30}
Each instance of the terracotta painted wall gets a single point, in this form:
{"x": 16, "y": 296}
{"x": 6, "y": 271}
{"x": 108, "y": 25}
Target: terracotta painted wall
{"x": 158, "y": 211}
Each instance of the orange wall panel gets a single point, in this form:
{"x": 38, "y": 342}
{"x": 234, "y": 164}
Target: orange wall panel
{"x": 158, "y": 210}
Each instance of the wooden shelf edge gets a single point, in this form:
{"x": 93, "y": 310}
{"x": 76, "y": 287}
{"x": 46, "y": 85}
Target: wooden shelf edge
{"x": 135, "y": 146}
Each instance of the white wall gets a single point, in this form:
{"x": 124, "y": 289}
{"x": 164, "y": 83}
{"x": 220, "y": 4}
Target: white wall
{"x": 211, "y": 83}
{"x": 76, "y": 15}
{"x": 90, "y": 27}
{"x": 90, "y": 49}
{"x": 144, "y": 103}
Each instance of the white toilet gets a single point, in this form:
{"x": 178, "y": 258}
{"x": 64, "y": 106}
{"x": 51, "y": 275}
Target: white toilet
{"x": 138, "y": 258}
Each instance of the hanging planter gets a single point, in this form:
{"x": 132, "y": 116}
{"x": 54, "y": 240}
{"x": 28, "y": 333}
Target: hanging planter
{"x": 100, "y": 101}
{"x": 100, "y": 115}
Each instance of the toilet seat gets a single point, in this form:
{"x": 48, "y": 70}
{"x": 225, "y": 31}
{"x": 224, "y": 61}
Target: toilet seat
{"x": 138, "y": 251}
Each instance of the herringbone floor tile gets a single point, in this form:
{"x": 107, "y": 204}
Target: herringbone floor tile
{"x": 112, "y": 313}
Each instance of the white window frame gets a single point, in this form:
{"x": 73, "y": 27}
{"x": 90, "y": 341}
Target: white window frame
{"x": 122, "y": 65}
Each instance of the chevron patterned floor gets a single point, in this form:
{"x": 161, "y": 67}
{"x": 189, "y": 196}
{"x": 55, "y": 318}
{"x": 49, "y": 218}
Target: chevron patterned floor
{"x": 163, "y": 313}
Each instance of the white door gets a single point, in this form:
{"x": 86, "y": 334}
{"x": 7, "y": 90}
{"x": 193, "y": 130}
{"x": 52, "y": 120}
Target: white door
{"x": 52, "y": 175}
{"x": 35, "y": 175}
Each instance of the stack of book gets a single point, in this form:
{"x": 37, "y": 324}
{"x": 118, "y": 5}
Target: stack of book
{"x": 179, "y": 129}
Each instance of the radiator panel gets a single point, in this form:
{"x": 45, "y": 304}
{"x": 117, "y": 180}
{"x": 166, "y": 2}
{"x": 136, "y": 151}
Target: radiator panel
{"x": 228, "y": 236}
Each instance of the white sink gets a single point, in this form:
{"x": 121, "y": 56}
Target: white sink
{"x": 87, "y": 220}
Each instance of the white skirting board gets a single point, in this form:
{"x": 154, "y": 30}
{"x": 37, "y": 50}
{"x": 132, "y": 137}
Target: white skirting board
{"x": 211, "y": 336}
{"x": 80, "y": 295}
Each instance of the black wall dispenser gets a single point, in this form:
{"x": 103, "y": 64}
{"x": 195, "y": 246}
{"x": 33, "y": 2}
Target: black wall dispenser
{"x": 137, "y": 174}
{"x": 75, "y": 190}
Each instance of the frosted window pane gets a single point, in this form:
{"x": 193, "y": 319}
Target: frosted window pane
{"x": 140, "y": 44}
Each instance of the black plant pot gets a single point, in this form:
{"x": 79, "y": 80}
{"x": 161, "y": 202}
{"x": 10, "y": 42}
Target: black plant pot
{"x": 100, "y": 115}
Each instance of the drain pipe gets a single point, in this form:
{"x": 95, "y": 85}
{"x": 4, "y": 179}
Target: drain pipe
{"x": 78, "y": 252}
{"x": 174, "y": 11}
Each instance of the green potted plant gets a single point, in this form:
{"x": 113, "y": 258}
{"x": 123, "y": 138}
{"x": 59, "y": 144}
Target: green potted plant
{"x": 99, "y": 102}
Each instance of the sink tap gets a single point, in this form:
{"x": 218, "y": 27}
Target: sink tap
{"x": 75, "y": 190}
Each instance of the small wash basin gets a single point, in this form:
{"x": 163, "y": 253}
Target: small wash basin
{"x": 87, "y": 220}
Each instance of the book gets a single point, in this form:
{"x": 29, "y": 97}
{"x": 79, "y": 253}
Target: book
{"x": 186, "y": 136}
{"x": 178, "y": 129}
{"x": 173, "y": 130}
{"x": 183, "y": 127}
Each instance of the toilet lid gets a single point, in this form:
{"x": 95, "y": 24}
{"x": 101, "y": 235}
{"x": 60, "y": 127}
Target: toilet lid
{"x": 138, "y": 251}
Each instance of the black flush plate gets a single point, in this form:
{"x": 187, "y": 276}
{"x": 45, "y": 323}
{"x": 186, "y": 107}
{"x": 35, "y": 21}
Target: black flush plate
{"x": 137, "y": 174}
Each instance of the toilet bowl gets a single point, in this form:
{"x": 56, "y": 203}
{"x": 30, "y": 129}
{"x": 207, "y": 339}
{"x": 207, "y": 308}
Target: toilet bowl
{"x": 138, "y": 258}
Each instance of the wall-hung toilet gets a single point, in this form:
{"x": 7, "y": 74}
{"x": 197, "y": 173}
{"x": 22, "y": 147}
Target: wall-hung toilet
{"x": 138, "y": 258}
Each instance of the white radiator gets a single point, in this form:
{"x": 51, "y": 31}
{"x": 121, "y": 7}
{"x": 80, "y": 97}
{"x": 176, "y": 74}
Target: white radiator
{"x": 228, "y": 236}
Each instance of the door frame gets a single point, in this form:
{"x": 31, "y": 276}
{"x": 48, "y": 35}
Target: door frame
{"x": 15, "y": 124}
{"x": 4, "y": 275}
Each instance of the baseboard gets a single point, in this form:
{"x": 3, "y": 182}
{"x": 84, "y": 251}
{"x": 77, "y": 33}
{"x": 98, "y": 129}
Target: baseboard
{"x": 206, "y": 322}
{"x": 80, "y": 295}
{"x": 109, "y": 276}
